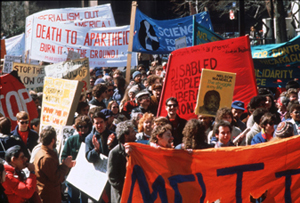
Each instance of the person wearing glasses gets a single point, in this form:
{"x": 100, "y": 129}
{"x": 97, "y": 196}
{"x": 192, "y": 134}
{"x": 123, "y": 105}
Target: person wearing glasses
{"x": 176, "y": 122}
{"x": 23, "y": 132}
{"x": 143, "y": 100}
{"x": 267, "y": 129}
{"x": 109, "y": 94}
{"x": 83, "y": 125}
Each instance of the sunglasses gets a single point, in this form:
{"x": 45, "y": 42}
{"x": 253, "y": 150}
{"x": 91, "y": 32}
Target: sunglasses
{"x": 24, "y": 122}
{"x": 115, "y": 107}
{"x": 296, "y": 112}
{"x": 170, "y": 105}
{"x": 82, "y": 126}
{"x": 145, "y": 98}
{"x": 110, "y": 90}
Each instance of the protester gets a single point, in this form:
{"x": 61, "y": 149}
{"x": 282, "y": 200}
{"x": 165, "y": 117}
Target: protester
{"x": 92, "y": 81}
{"x": 295, "y": 115}
{"x": 114, "y": 107}
{"x": 145, "y": 128}
{"x": 237, "y": 109}
{"x": 129, "y": 101}
{"x": 267, "y": 129}
{"x": 258, "y": 101}
{"x": 285, "y": 129}
{"x": 50, "y": 174}
{"x": 22, "y": 131}
{"x": 35, "y": 125}
{"x": 116, "y": 166}
{"x": 17, "y": 187}
{"x": 207, "y": 121}
{"x": 161, "y": 136}
{"x": 281, "y": 105}
{"x": 222, "y": 131}
{"x": 119, "y": 83}
{"x": 137, "y": 80}
{"x": 135, "y": 117}
{"x": 110, "y": 118}
{"x": 110, "y": 93}
{"x": 292, "y": 94}
{"x": 160, "y": 121}
{"x": 155, "y": 98}
{"x": 83, "y": 125}
{"x": 143, "y": 100}
{"x": 99, "y": 93}
{"x": 194, "y": 136}
{"x": 3, "y": 197}
{"x": 176, "y": 122}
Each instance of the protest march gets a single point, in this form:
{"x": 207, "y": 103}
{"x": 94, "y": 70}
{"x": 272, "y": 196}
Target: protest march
{"x": 154, "y": 111}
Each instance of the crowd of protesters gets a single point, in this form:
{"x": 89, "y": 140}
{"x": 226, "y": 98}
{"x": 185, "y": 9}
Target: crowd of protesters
{"x": 112, "y": 114}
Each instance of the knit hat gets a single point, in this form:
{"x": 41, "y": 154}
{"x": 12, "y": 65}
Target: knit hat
{"x": 284, "y": 129}
{"x": 135, "y": 89}
{"x": 108, "y": 113}
{"x": 142, "y": 93}
{"x": 136, "y": 73}
{"x": 99, "y": 71}
{"x": 238, "y": 105}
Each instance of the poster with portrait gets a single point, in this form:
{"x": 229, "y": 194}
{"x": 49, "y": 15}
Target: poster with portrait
{"x": 215, "y": 91}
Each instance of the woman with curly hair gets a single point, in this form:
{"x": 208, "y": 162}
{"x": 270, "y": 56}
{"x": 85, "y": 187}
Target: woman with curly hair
{"x": 194, "y": 136}
{"x": 161, "y": 136}
{"x": 145, "y": 128}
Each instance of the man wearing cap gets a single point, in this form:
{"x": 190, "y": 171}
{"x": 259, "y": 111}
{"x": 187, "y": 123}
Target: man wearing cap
{"x": 116, "y": 166}
{"x": 110, "y": 118}
{"x": 99, "y": 93}
{"x": 137, "y": 79}
{"x": 98, "y": 72}
{"x": 29, "y": 137}
{"x": 143, "y": 100}
{"x": 237, "y": 109}
{"x": 17, "y": 187}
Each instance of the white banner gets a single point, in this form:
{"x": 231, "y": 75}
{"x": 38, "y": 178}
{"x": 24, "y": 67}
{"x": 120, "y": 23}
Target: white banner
{"x": 105, "y": 47}
{"x": 69, "y": 14}
{"x": 92, "y": 23}
{"x": 15, "y": 45}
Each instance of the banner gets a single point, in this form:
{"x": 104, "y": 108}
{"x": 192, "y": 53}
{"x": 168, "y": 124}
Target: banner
{"x": 32, "y": 76}
{"x": 158, "y": 36}
{"x": 103, "y": 46}
{"x": 73, "y": 70}
{"x": 276, "y": 64}
{"x": 92, "y": 23}
{"x": 93, "y": 177}
{"x": 185, "y": 66}
{"x": 204, "y": 35}
{"x": 72, "y": 55}
{"x": 8, "y": 62}
{"x": 15, "y": 46}
{"x": 65, "y": 15}
{"x": 14, "y": 98}
{"x": 215, "y": 92}
{"x": 229, "y": 174}
{"x": 60, "y": 100}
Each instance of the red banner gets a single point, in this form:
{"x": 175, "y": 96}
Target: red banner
{"x": 268, "y": 171}
{"x": 184, "y": 71}
{"x": 14, "y": 98}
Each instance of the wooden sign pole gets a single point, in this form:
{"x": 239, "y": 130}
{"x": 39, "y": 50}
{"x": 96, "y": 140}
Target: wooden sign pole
{"x": 132, "y": 19}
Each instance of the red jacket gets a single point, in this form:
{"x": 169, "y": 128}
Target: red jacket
{"x": 15, "y": 189}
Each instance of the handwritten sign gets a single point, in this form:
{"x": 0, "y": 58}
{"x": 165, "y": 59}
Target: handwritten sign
{"x": 215, "y": 91}
{"x": 185, "y": 68}
{"x": 72, "y": 55}
{"x": 228, "y": 174}
{"x": 8, "y": 62}
{"x": 32, "y": 76}
{"x": 94, "y": 178}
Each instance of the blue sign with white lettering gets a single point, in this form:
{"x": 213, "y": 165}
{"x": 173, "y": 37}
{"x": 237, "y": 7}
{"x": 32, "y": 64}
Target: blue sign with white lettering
{"x": 158, "y": 36}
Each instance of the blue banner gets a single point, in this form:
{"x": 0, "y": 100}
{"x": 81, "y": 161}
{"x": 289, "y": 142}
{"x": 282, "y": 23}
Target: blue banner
{"x": 204, "y": 35}
{"x": 276, "y": 64}
{"x": 158, "y": 36}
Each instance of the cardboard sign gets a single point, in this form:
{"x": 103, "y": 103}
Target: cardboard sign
{"x": 8, "y": 62}
{"x": 32, "y": 76}
{"x": 66, "y": 15}
{"x": 94, "y": 178}
{"x": 14, "y": 98}
{"x": 103, "y": 46}
{"x": 73, "y": 70}
{"x": 215, "y": 91}
{"x": 60, "y": 100}
{"x": 185, "y": 66}
{"x": 276, "y": 64}
{"x": 72, "y": 55}
{"x": 228, "y": 174}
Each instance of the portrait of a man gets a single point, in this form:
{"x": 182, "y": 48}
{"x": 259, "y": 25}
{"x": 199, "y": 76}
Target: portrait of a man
{"x": 211, "y": 102}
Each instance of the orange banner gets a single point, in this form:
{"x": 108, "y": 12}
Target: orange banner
{"x": 269, "y": 171}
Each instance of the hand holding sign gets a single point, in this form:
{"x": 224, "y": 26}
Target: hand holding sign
{"x": 69, "y": 162}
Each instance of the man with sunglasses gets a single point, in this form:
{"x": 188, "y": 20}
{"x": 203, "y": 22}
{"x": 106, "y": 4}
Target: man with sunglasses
{"x": 143, "y": 100}
{"x": 22, "y": 132}
{"x": 176, "y": 122}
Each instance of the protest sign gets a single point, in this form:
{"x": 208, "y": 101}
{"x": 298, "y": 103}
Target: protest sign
{"x": 15, "y": 46}
{"x": 72, "y": 55}
{"x": 158, "y": 36}
{"x": 60, "y": 100}
{"x": 204, "y": 35}
{"x": 32, "y": 76}
{"x": 14, "y": 98}
{"x": 66, "y": 15}
{"x": 65, "y": 132}
{"x": 103, "y": 46}
{"x": 8, "y": 62}
{"x": 229, "y": 174}
{"x": 3, "y": 50}
{"x": 215, "y": 92}
{"x": 276, "y": 64}
{"x": 73, "y": 70}
{"x": 185, "y": 66}
{"x": 94, "y": 178}
{"x": 180, "y": 42}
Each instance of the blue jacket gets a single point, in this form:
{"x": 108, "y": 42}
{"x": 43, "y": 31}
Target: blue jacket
{"x": 31, "y": 140}
{"x": 258, "y": 139}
